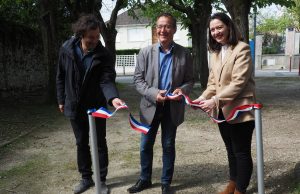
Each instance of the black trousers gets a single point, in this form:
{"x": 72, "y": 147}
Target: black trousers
{"x": 237, "y": 139}
{"x": 80, "y": 127}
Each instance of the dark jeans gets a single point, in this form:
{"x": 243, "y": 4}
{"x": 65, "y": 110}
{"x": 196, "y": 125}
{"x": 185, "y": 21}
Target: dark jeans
{"x": 168, "y": 134}
{"x": 80, "y": 127}
{"x": 237, "y": 139}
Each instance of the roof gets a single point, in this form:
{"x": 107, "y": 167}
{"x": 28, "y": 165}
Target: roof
{"x": 125, "y": 19}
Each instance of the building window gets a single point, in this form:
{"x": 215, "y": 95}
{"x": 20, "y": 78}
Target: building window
{"x": 136, "y": 34}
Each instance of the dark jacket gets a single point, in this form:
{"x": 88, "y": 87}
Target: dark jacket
{"x": 79, "y": 92}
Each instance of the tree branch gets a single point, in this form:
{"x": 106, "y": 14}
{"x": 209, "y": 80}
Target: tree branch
{"x": 120, "y": 4}
{"x": 180, "y": 7}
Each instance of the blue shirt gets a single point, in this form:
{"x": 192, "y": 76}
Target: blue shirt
{"x": 85, "y": 59}
{"x": 165, "y": 68}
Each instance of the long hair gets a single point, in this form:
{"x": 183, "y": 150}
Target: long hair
{"x": 84, "y": 24}
{"x": 233, "y": 36}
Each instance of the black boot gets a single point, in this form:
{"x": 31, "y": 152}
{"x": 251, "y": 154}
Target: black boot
{"x": 139, "y": 186}
{"x": 165, "y": 189}
{"x": 84, "y": 185}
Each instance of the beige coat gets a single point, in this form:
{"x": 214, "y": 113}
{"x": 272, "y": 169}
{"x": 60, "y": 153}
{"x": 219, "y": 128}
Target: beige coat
{"x": 231, "y": 81}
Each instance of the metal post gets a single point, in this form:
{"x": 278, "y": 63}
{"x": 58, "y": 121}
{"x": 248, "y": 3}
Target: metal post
{"x": 254, "y": 39}
{"x": 95, "y": 157}
{"x": 290, "y": 63}
{"x": 259, "y": 152}
{"x": 124, "y": 68}
{"x": 299, "y": 67}
{"x": 135, "y": 59}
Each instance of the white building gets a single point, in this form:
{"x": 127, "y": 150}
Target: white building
{"x": 137, "y": 33}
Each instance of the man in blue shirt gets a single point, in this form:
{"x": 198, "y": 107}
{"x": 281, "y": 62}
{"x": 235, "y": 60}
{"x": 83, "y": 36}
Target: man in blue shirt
{"x": 162, "y": 68}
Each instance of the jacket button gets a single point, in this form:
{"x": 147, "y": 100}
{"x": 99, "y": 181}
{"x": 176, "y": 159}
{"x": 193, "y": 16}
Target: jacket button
{"x": 219, "y": 85}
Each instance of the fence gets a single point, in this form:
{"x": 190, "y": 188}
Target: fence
{"x": 125, "y": 64}
{"x": 277, "y": 62}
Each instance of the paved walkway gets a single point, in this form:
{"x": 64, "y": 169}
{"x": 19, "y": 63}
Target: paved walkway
{"x": 128, "y": 79}
{"x": 276, "y": 73}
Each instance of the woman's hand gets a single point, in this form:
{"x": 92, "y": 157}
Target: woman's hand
{"x": 208, "y": 105}
{"x": 198, "y": 100}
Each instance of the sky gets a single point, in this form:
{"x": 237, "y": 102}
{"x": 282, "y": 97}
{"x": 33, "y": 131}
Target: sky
{"x": 107, "y": 7}
{"x": 272, "y": 10}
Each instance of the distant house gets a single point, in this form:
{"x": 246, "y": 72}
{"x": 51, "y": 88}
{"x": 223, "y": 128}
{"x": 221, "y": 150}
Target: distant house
{"x": 138, "y": 33}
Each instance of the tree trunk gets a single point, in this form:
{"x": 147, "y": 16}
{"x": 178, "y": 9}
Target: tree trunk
{"x": 239, "y": 11}
{"x": 198, "y": 29}
{"x": 109, "y": 31}
{"x": 109, "y": 34}
{"x": 198, "y": 16}
{"x": 48, "y": 13}
{"x": 199, "y": 50}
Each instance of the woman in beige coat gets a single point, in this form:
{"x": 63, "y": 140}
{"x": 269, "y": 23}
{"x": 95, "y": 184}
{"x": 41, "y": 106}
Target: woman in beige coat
{"x": 231, "y": 84}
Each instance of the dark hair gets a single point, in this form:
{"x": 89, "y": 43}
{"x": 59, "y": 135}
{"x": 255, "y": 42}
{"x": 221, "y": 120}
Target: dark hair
{"x": 168, "y": 15}
{"x": 84, "y": 24}
{"x": 234, "y": 34}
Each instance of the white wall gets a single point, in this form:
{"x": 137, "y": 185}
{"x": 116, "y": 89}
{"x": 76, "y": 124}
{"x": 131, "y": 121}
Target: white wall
{"x": 180, "y": 37}
{"x": 133, "y": 37}
{"x": 139, "y": 36}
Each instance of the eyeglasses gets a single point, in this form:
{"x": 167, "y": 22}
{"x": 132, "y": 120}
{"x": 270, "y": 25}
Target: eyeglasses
{"x": 167, "y": 27}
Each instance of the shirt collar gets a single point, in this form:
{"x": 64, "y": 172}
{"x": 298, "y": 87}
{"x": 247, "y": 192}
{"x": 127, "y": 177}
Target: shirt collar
{"x": 78, "y": 44}
{"x": 170, "y": 49}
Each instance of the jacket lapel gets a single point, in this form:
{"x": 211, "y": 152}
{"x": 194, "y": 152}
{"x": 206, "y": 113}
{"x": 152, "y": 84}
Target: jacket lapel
{"x": 174, "y": 63}
{"x": 226, "y": 57}
{"x": 155, "y": 67}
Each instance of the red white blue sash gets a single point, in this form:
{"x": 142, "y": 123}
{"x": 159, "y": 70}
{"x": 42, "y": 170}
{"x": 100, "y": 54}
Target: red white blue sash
{"x": 135, "y": 125}
{"x": 233, "y": 114}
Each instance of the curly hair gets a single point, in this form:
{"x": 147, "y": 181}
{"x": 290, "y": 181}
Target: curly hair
{"x": 84, "y": 24}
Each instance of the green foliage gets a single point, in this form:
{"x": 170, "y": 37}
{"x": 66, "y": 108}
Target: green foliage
{"x": 127, "y": 52}
{"x": 264, "y": 3}
{"x": 135, "y": 51}
{"x": 276, "y": 24}
{"x": 296, "y": 190}
{"x": 151, "y": 9}
{"x": 295, "y": 12}
{"x": 20, "y": 11}
{"x": 271, "y": 27}
{"x": 272, "y": 44}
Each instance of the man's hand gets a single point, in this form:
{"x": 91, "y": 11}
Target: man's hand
{"x": 161, "y": 96}
{"x": 61, "y": 108}
{"x": 116, "y": 102}
{"x": 178, "y": 92}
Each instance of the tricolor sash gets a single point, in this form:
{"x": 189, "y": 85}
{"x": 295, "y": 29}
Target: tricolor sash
{"x": 105, "y": 114}
{"x": 135, "y": 125}
{"x": 233, "y": 114}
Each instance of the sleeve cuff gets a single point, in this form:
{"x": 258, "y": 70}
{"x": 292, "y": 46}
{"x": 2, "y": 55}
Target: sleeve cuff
{"x": 216, "y": 99}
